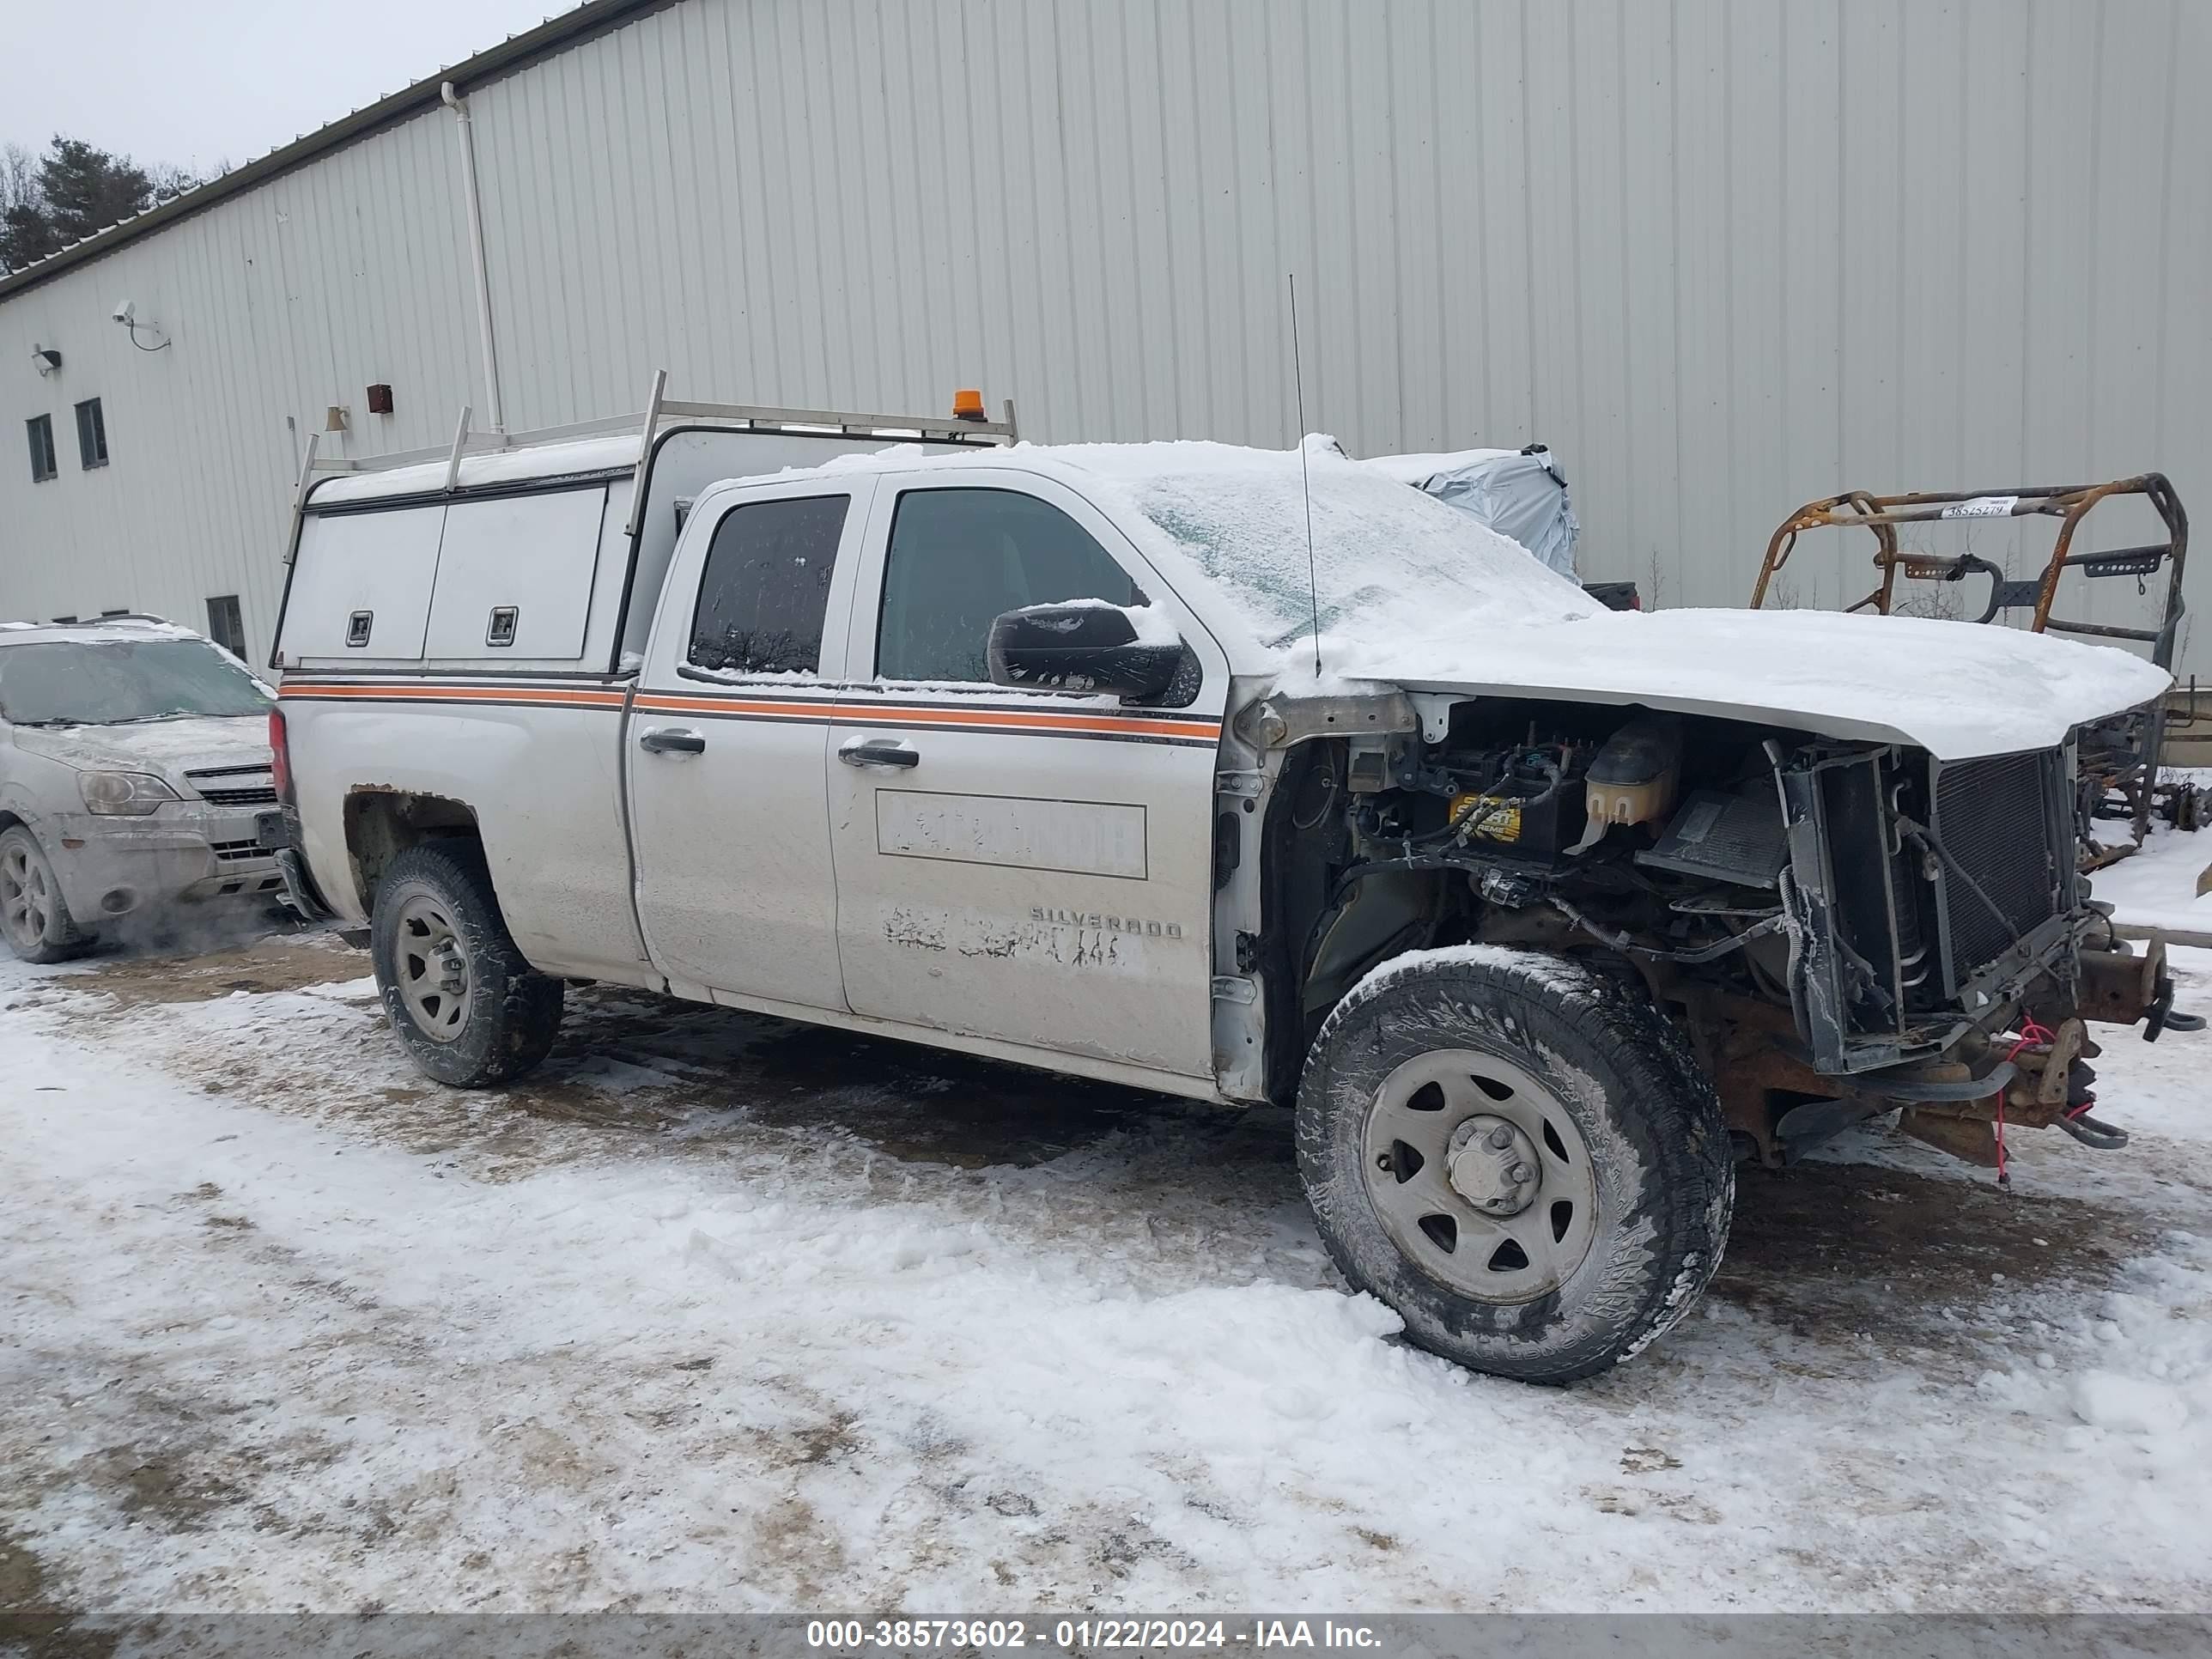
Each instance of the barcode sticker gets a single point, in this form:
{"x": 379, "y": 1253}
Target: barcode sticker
{"x": 1982, "y": 507}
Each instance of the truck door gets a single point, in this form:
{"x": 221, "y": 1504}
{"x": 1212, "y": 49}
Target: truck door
{"x": 1025, "y": 865}
{"x": 726, "y": 745}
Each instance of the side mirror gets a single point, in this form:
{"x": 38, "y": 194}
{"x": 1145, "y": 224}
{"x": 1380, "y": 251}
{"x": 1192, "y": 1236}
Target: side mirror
{"x": 1084, "y": 645}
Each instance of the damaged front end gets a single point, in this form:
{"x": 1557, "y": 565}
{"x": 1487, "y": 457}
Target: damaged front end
{"x": 1841, "y": 928}
{"x": 1943, "y": 957}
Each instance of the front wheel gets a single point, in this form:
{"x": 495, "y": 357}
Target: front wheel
{"x": 470, "y": 1009}
{"x": 34, "y": 918}
{"x": 1517, "y": 1155}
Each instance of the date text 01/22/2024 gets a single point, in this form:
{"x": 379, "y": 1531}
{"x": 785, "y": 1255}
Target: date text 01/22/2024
{"x": 1086, "y": 1635}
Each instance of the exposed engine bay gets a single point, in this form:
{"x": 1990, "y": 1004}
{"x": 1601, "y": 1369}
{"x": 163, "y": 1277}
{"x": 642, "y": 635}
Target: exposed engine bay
{"x": 1839, "y": 929}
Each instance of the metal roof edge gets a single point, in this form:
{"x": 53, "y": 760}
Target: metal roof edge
{"x": 519, "y": 52}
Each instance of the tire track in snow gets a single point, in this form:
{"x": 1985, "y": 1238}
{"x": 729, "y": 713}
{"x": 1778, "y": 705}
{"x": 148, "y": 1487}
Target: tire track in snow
{"x": 756, "y": 1318}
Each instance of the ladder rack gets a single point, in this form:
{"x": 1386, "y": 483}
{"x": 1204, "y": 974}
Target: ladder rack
{"x": 660, "y": 415}
{"x": 661, "y": 411}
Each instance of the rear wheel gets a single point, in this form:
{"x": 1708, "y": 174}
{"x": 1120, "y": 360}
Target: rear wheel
{"x": 1518, "y": 1155}
{"x": 470, "y": 1009}
{"x": 34, "y": 918}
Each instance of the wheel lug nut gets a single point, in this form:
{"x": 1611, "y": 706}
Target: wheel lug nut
{"x": 1501, "y": 1138}
{"x": 1519, "y": 1173}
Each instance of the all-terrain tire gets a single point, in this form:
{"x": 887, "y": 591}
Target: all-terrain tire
{"x": 34, "y": 917}
{"x": 1539, "y": 1036}
{"x": 502, "y": 1022}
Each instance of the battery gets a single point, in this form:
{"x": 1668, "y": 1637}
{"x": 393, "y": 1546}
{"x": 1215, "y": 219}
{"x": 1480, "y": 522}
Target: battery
{"x": 1511, "y": 816}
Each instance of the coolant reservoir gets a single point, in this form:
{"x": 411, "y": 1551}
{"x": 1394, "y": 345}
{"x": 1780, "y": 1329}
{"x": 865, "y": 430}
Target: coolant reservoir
{"x": 1635, "y": 777}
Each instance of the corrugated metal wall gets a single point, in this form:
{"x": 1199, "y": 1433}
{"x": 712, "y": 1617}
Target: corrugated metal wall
{"x": 276, "y": 304}
{"x": 1724, "y": 255}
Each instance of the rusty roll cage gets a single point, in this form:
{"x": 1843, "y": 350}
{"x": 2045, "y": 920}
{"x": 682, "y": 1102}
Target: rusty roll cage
{"x": 1881, "y": 514}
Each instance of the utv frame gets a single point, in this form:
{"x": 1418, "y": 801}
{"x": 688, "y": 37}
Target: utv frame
{"x": 2118, "y": 757}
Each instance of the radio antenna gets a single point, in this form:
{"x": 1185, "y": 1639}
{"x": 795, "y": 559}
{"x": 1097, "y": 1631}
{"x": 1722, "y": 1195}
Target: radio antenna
{"x": 1305, "y": 477}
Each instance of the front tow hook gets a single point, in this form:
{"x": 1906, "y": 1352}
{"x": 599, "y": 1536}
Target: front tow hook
{"x": 2161, "y": 1015}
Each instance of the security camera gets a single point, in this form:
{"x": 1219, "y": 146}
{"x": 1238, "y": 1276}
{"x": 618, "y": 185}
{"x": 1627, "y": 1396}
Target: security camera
{"x": 127, "y": 314}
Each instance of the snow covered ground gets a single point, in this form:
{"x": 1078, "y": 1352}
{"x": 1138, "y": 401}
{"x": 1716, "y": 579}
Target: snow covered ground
{"x": 2156, "y": 887}
{"x": 718, "y": 1313}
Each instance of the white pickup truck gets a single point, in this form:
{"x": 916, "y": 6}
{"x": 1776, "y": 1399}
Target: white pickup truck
{"x": 1542, "y": 915}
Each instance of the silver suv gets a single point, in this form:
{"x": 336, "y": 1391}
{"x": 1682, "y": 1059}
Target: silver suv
{"x": 135, "y": 779}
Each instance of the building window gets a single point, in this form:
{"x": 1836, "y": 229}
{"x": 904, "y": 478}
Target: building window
{"x": 42, "y": 447}
{"x": 91, "y": 434}
{"x": 766, "y": 588}
{"x": 226, "y": 627}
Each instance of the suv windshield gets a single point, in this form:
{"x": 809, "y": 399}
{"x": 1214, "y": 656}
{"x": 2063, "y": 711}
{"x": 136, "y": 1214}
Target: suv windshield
{"x": 71, "y": 683}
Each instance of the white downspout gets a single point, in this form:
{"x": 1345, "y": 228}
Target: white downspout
{"x": 492, "y": 405}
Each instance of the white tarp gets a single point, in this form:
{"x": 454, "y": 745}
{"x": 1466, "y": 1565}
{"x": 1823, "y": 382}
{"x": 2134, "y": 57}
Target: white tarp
{"x": 1519, "y": 493}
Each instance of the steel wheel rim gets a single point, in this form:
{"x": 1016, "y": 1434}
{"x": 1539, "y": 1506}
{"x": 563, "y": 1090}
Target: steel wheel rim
{"x": 437, "y": 981}
{"x": 1426, "y": 1107}
{"x": 25, "y": 897}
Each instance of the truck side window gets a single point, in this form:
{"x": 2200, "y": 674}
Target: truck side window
{"x": 766, "y": 587}
{"x": 959, "y": 557}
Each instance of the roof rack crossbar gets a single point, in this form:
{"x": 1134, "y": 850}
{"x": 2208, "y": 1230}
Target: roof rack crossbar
{"x": 661, "y": 412}
{"x": 935, "y": 425}
{"x": 102, "y": 621}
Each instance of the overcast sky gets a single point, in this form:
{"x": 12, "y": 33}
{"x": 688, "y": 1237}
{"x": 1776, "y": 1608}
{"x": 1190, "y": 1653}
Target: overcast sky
{"x": 205, "y": 80}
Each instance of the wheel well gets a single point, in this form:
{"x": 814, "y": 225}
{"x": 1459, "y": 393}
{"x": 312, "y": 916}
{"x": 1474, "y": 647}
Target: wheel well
{"x": 8, "y": 820}
{"x": 1390, "y": 911}
{"x": 1330, "y": 918}
{"x": 382, "y": 823}
{"x": 1318, "y": 940}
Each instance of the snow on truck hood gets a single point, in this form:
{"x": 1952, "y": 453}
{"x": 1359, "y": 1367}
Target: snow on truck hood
{"x": 1415, "y": 593}
{"x": 1957, "y": 690}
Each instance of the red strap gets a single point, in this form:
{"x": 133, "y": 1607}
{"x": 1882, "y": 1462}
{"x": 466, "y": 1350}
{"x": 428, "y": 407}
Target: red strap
{"x": 2031, "y": 1035}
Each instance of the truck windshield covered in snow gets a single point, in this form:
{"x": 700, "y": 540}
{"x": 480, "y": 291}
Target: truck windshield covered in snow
{"x": 1240, "y": 515}
{"x": 107, "y": 682}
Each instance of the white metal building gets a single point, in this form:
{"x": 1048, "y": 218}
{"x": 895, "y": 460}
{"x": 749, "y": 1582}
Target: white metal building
{"x": 1723, "y": 255}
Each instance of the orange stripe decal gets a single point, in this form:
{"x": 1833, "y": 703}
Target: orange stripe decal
{"x": 557, "y": 697}
{"x": 813, "y": 709}
{"x": 826, "y": 709}
{"x": 866, "y": 714}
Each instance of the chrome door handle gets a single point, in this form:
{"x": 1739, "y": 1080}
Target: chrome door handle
{"x": 877, "y": 751}
{"x": 671, "y": 740}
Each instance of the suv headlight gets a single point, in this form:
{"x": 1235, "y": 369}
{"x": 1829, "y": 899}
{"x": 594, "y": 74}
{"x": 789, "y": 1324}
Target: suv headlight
{"x": 130, "y": 794}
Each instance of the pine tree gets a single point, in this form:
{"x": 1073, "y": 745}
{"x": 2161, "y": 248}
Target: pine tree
{"x": 88, "y": 190}
{"x": 26, "y": 234}
{"x": 76, "y": 191}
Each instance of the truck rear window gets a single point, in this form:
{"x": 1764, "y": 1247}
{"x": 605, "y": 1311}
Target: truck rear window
{"x": 766, "y": 588}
